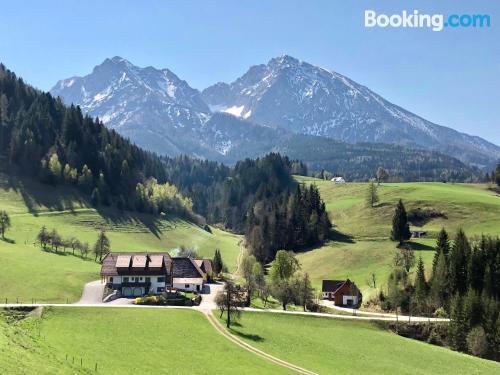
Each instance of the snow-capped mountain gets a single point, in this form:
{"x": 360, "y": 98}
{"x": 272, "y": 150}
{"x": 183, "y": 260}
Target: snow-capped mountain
{"x": 153, "y": 107}
{"x": 307, "y": 99}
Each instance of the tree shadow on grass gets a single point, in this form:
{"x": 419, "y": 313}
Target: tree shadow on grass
{"x": 419, "y": 246}
{"x": 341, "y": 237}
{"x": 247, "y": 336}
{"x": 8, "y": 240}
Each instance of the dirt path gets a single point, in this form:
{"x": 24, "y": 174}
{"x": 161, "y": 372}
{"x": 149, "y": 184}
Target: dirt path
{"x": 240, "y": 257}
{"x": 235, "y": 340}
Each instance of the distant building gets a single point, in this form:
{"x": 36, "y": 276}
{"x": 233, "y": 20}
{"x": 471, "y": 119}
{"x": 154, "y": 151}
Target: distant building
{"x": 338, "y": 180}
{"x": 342, "y": 292}
{"x": 418, "y": 234}
{"x": 138, "y": 274}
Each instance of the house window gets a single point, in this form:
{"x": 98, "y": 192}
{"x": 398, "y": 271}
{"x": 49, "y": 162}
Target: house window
{"x": 161, "y": 279}
{"x": 148, "y": 279}
{"x": 111, "y": 279}
{"x": 125, "y": 279}
{"x": 186, "y": 286}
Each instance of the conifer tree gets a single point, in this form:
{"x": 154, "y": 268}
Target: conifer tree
{"x": 442, "y": 246}
{"x": 458, "y": 327}
{"x": 5, "y": 223}
{"x": 420, "y": 287}
{"x": 400, "y": 227}
{"x": 372, "y": 194}
{"x": 440, "y": 282}
{"x": 218, "y": 264}
{"x": 458, "y": 260}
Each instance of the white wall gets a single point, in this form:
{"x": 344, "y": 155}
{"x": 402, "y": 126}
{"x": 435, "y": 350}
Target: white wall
{"x": 353, "y": 298}
{"x": 191, "y": 287}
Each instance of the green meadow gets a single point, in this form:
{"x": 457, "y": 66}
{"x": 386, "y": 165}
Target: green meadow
{"x": 364, "y": 247}
{"x": 122, "y": 342}
{"x": 336, "y": 346}
{"x": 27, "y": 272}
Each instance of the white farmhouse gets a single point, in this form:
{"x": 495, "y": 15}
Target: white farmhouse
{"x": 138, "y": 274}
{"x": 338, "y": 180}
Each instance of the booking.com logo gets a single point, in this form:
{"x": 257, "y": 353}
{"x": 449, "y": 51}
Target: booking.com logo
{"x": 435, "y": 22}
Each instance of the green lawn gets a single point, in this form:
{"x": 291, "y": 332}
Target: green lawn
{"x": 56, "y": 278}
{"x": 147, "y": 341}
{"x": 471, "y": 207}
{"x": 334, "y": 346}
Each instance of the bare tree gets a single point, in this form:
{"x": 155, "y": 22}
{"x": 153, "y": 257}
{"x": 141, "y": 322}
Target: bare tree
{"x": 228, "y": 301}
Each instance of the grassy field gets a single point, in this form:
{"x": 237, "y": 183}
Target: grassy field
{"x": 333, "y": 346}
{"x": 58, "y": 277}
{"x": 133, "y": 341}
{"x": 369, "y": 250}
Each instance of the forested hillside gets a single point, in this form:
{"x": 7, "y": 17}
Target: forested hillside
{"x": 58, "y": 145}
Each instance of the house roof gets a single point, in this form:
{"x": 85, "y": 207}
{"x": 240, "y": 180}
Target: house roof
{"x": 205, "y": 265}
{"x": 332, "y": 285}
{"x": 186, "y": 268}
{"x": 142, "y": 263}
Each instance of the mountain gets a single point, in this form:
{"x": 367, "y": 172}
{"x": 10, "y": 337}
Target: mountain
{"x": 162, "y": 113}
{"x": 307, "y": 99}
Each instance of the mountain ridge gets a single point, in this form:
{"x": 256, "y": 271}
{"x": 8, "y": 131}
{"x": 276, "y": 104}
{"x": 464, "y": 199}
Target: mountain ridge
{"x": 162, "y": 113}
{"x": 307, "y": 99}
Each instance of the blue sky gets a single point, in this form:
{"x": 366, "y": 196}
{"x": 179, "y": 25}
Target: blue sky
{"x": 451, "y": 77}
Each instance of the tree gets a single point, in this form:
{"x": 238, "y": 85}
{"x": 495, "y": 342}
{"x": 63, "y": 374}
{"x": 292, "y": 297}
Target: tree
{"x": 84, "y": 249}
{"x": 382, "y": 175}
{"x": 440, "y": 283}
{"x": 187, "y": 252}
{"x": 284, "y": 265}
{"x": 74, "y": 243}
{"x": 218, "y": 264}
{"x": 95, "y": 198}
{"x": 247, "y": 271}
{"x": 477, "y": 343}
{"x": 305, "y": 291}
{"x": 372, "y": 196}
{"x": 458, "y": 260}
{"x": 228, "y": 301}
{"x": 54, "y": 168}
{"x": 442, "y": 246}
{"x": 85, "y": 179}
{"x": 420, "y": 294}
{"x": 400, "y": 227}
{"x": 102, "y": 245}
{"x": 285, "y": 291}
{"x": 497, "y": 175}
{"x": 4, "y": 223}
{"x": 405, "y": 258}
{"x": 458, "y": 328}
{"x": 55, "y": 240}
{"x": 43, "y": 237}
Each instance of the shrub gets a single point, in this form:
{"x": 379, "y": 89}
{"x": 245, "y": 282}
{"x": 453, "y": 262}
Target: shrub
{"x": 477, "y": 342}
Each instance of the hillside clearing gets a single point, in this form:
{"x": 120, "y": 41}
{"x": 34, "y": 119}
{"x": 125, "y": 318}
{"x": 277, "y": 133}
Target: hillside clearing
{"x": 333, "y": 346}
{"x": 366, "y": 247}
{"x": 60, "y": 277}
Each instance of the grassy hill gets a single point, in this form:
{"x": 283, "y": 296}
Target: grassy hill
{"x": 366, "y": 247}
{"x": 333, "y": 346}
{"x": 123, "y": 341}
{"x": 27, "y": 272}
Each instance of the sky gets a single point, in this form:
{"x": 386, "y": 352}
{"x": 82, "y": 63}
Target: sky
{"x": 451, "y": 77}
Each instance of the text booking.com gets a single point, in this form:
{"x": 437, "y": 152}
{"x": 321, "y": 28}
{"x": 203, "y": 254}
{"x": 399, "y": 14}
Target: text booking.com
{"x": 435, "y": 22}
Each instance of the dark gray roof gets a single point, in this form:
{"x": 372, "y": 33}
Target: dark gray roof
{"x": 332, "y": 285}
{"x": 108, "y": 267}
{"x": 185, "y": 268}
